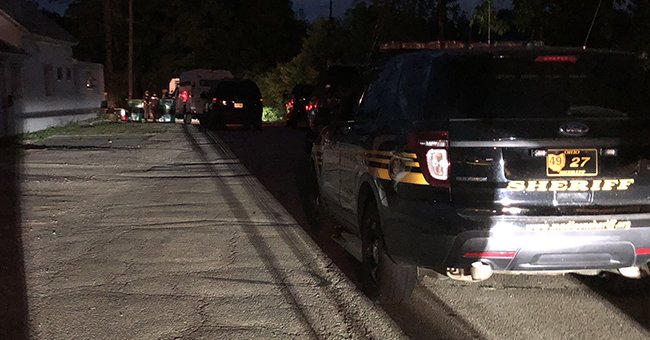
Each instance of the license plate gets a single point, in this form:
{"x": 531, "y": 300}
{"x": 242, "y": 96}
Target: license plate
{"x": 572, "y": 162}
{"x": 239, "y": 105}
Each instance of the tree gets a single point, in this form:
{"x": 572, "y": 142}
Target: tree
{"x": 567, "y": 22}
{"x": 486, "y": 20}
{"x": 244, "y": 36}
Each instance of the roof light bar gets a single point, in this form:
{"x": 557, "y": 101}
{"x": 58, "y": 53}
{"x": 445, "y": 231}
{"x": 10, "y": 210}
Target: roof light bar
{"x": 452, "y": 44}
{"x": 556, "y": 59}
{"x": 491, "y": 254}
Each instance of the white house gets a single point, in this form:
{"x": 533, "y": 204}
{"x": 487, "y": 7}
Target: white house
{"x": 41, "y": 84}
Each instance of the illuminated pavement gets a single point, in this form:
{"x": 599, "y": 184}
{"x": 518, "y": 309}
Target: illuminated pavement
{"x": 174, "y": 239}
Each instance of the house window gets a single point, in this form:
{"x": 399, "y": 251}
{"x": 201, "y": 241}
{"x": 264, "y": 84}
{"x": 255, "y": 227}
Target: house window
{"x": 59, "y": 73}
{"x": 68, "y": 74}
{"x": 16, "y": 80}
{"x": 90, "y": 81}
{"x": 48, "y": 77}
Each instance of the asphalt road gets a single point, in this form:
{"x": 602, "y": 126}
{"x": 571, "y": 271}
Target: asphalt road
{"x": 503, "y": 307}
{"x": 168, "y": 236}
{"x": 172, "y": 235}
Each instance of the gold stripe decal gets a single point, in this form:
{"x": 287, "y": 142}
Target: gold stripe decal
{"x": 379, "y": 173}
{"x": 411, "y": 178}
{"x": 380, "y": 153}
{"x": 378, "y": 160}
{"x": 403, "y": 177}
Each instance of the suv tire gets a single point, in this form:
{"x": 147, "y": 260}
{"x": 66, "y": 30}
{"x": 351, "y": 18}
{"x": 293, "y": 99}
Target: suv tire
{"x": 384, "y": 280}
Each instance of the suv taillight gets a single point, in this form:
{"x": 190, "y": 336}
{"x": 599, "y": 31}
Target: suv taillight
{"x": 311, "y": 105}
{"x": 432, "y": 149}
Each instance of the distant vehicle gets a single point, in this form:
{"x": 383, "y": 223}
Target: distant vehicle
{"x": 336, "y": 93}
{"x": 192, "y": 84}
{"x": 298, "y": 104}
{"x": 474, "y": 161}
{"x": 165, "y": 110}
{"x": 136, "y": 110}
{"x": 234, "y": 101}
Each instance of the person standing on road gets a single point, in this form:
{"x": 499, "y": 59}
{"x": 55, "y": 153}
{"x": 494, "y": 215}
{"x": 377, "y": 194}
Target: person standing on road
{"x": 153, "y": 106}
{"x": 146, "y": 104}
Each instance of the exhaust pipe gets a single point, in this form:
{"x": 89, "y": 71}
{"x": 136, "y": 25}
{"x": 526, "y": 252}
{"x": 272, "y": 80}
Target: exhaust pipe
{"x": 480, "y": 271}
{"x": 630, "y": 272}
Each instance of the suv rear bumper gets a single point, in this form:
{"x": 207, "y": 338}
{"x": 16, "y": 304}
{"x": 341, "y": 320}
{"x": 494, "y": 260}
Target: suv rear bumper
{"x": 443, "y": 239}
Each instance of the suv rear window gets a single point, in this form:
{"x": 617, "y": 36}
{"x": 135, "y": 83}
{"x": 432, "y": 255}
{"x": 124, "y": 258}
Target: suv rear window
{"x": 237, "y": 89}
{"x": 208, "y": 82}
{"x": 302, "y": 91}
{"x": 487, "y": 86}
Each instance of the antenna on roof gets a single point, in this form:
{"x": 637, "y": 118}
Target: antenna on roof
{"x": 593, "y": 20}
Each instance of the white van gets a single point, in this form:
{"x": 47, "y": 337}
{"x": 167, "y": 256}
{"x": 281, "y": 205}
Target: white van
{"x": 193, "y": 83}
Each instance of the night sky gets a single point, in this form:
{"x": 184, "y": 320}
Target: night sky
{"x": 311, "y": 8}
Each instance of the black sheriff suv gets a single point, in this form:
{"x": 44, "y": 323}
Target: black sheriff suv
{"x": 476, "y": 160}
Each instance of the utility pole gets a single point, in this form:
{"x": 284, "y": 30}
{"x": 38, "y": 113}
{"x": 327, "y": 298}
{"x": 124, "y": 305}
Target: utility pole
{"x": 489, "y": 24}
{"x": 108, "y": 41}
{"x": 130, "y": 76}
{"x": 331, "y": 12}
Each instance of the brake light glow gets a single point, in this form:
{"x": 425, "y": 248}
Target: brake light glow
{"x": 642, "y": 251}
{"x": 184, "y": 96}
{"x": 491, "y": 254}
{"x": 556, "y": 59}
{"x": 214, "y": 100}
{"x": 432, "y": 149}
{"x": 311, "y": 106}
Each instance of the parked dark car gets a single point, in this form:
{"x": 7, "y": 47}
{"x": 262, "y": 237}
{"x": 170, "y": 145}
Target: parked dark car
{"x": 470, "y": 161}
{"x": 337, "y": 92}
{"x": 136, "y": 109}
{"x": 335, "y": 97}
{"x": 166, "y": 110}
{"x": 298, "y": 104}
{"x": 234, "y": 101}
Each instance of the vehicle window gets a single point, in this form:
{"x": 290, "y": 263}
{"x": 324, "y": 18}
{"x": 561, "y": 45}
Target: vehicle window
{"x": 341, "y": 79}
{"x": 598, "y": 86}
{"x": 230, "y": 89}
{"x": 414, "y": 85}
{"x": 379, "y": 97}
{"x": 208, "y": 82}
{"x": 302, "y": 91}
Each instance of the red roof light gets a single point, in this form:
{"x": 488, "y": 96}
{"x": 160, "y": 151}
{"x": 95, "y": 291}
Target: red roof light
{"x": 556, "y": 59}
{"x": 491, "y": 254}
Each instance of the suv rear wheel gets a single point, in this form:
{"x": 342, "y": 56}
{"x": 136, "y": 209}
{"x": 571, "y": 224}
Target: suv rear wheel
{"x": 384, "y": 280}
